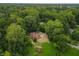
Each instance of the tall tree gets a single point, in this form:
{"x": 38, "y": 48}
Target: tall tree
{"x": 75, "y": 34}
{"x": 17, "y": 39}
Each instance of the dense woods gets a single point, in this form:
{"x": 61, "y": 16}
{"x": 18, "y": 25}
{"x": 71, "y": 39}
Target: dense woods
{"x": 60, "y": 23}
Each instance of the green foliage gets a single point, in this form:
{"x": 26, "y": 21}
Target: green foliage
{"x": 42, "y": 26}
{"x": 46, "y": 14}
{"x": 55, "y": 32}
{"x": 75, "y": 34}
{"x": 59, "y": 22}
{"x": 53, "y": 27}
{"x": 15, "y": 32}
{"x": 31, "y": 23}
{"x": 17, "y": 39}
{"x": 7, "y": 53}
{"x": 61, "y": 43}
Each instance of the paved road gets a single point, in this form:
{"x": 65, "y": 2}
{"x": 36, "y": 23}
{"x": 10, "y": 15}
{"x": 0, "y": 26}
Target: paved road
{"x": 73, "y": 46}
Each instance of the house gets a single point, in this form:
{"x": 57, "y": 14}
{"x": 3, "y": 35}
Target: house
{"x": 39, "y": 37}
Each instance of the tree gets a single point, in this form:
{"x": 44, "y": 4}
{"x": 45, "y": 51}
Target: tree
{"x": 61, "y": 43}
{"x": 31, "y": 11}
{"x": 56, "y": 35}
{"x": 3, "y": 26}
{"x": 42, "y": 26}
{"x": 31, "y": 23}
{"x": 46, "y": 14}
{"x": 68, "y": 20}
{"x": 76, "y": 14}
{"x": 17, "y": 39}
{"x": 75, "y": 34}
{"x": 53, "y": 27}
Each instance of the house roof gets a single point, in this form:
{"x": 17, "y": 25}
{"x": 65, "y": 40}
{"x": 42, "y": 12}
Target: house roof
{"x": 39, "y": 36}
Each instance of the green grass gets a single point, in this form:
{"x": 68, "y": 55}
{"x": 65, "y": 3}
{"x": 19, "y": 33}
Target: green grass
{"x": 72, "y": 52}
{"x": 48, "y": 50}
{"x": 31, "y": 51}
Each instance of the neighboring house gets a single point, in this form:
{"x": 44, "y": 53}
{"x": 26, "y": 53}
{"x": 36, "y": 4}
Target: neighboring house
{"x": 39, "y": 37}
